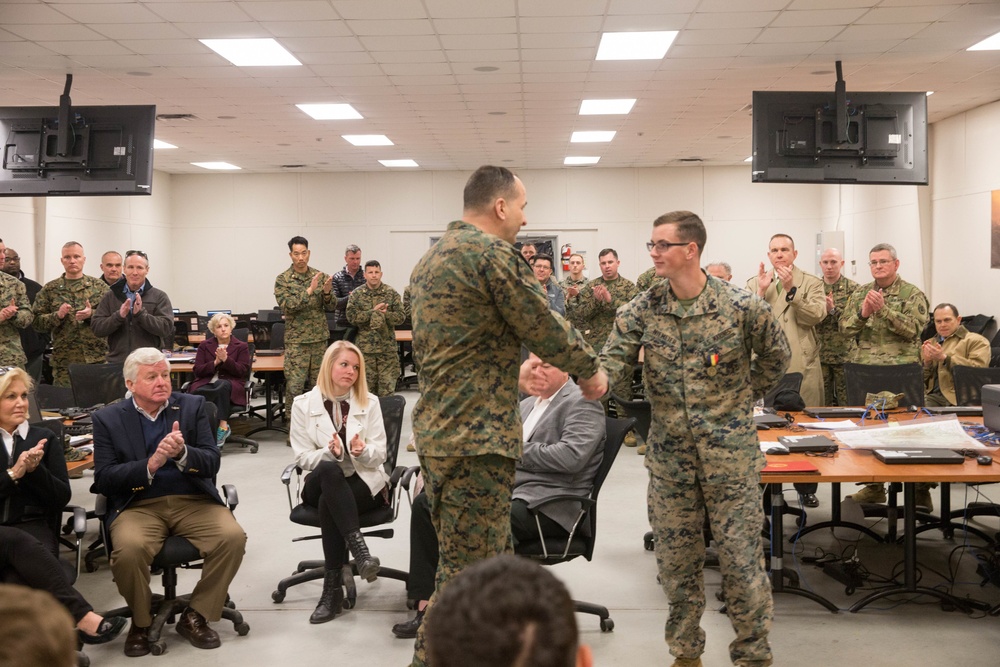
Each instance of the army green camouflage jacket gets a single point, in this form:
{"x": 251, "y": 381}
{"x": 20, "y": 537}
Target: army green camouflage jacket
{"x": 474, "y": 303}
{"x": 70, "y": 338}
{"x": 376, "y": 331}
{"x": 573, "y": 311}
{"x": 892, "y": 335}
{"x": 836, "y": 347}
{"x": 647, "y": 279}
{"x": 598, "y": 317}
{"x": 305, "y": 315}
{"x": 11, "y": 352}
{"x": 705, "y": 366}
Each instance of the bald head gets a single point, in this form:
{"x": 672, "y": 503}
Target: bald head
{"x": 831, "y": 262}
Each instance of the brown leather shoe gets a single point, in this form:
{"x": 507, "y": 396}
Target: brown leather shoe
{"x": 137, "y": 642}
{"x": 194, "y": 628}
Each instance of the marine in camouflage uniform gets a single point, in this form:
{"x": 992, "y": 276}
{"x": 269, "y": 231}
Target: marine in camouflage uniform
{"x": 646, "y": 279}
{"x": 573, "y": 303}
{"x": 474, "y": 302}
{"x": 376, "y": 334}
{"x": 835, "y": 347}
{"x": 12, "y": 292}
{"x": 73, "y": 341}
{"x": 599, "y": 318}
{"x": 709, "y": 355}
{"x": 306, "y": 330}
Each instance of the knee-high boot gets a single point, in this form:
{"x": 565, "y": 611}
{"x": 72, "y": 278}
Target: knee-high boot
{"x": 366, "y": 563}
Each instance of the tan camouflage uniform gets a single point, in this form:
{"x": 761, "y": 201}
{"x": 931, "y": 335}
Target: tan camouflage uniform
{"x": 11, "y": 352}
{"x": 962, "y": 348}
{"x": 647, "y": 279}
{"x": 73, "y": 342}
{"x": 376, "y": 335}
{"x": 835, "y": 348}
{"x": 475, "y": 301}
{"x": 599, "y": 318}
{"x": 703, "y": 451}
{"x": 892, "y": 335}
{"x": 306, "y": 330}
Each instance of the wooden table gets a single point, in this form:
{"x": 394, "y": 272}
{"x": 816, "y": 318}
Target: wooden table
{"x": 404, "y": 336}
{"x": 83, "y": 464}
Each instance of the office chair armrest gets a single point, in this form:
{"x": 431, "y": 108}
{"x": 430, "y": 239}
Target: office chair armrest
{"x": 100, "y": 506}
{"x": 79, "y": 521}
{"x": 286, "y": 474}
{"x": 231, "y": 497}
{"x": 407, "y": 476}
{"x": 185, "y": 386}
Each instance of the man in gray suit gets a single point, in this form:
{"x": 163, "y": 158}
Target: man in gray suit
{"x": 563, "y": 446}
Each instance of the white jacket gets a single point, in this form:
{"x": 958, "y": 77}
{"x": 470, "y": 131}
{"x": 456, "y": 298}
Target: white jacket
{"x": 312, "y": 429}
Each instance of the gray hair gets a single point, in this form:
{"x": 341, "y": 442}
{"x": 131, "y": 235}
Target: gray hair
{"x": 143, "y": 356}
{"x": 725, "y": 266}
{"x": 218, "y": 317}
{"x": 884, "y": 247}
{"x": 352, "y": 248}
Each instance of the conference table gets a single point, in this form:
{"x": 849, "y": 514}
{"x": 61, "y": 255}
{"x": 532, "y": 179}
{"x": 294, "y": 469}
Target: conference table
{"x": 267, "y": 364}
{"x": 851, "y": 465}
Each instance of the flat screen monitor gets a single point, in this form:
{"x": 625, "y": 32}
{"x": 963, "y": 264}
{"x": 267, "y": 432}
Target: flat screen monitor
{"x": 212, "y": 313}
{"x": 802, "y": 137}
{"x": 108, "y": 151}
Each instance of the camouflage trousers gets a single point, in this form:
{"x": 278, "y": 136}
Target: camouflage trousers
{"x": 470, "y": 500}
{"x": 834, "y": 385}
{"x": 677, "y": 515}
{"x": 60, "y": 366}
{"x": 381, "y": 372}
{"x": 302, "y": 362}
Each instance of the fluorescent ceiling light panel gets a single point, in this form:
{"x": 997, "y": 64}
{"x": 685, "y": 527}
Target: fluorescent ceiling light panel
{"x": 398, "y": 163}
{"x": 929, "y": 93}
{"x": 367, "y": 139}
{"x": 330, "y": 111}
{"x": 216, "y": 165}
{"x": 989, "y": 44}
{"x": 651, "y": 45}
{"x": 252, "y": 52}
{"x": 606, "y": 107}
{"x": 571, "y": 161}
{"x": 162, "y": 144}
{"x": 592, "y": 137}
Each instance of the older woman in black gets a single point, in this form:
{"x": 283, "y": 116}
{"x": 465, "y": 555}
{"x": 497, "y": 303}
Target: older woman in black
{"x": 34, "y": 488}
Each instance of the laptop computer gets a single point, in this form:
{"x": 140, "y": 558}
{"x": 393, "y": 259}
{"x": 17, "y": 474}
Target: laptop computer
{"x": 808, "y": 443}
{"x": 766, "y": 421}
{"x": 960, "y": 410}
{"x": 910, "y": 456}
{"x": 835, "y": 411}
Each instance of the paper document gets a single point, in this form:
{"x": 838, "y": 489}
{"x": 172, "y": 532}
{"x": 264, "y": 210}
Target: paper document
{"x": 841, "y": 425}
{"x": 931, "y": 433}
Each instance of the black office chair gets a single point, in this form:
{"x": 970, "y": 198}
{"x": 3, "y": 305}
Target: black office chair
{"x": 51, "y": 397}
{"x": 304, "y": 515}
{"x": 96, "y": 384}
{"x": 863, "y": 379}
{"x": 182, "y": 333}
{"x": 788, "y": 382}
{"x": 176, "y": 553}
{"x": 550, "y": 550}
{"x": 969, "y": 381}
{"x": 261, "y": 330}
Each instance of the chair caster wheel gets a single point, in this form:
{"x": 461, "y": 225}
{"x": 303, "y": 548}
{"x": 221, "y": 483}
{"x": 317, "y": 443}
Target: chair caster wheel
{"x": 607, "y": 625}
{"x": 242, "y": 629}
{"x": 349, "y": 603}
{"x": 230, "y": 604}
{"x": 90, "y": 566}
{"x": 278, "y": 596}
{"x": 158, "y": 647}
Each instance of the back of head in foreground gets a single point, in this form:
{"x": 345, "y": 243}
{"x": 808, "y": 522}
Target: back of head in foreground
{"x": 505, "y": 611}
{"x": 35, "y": 630}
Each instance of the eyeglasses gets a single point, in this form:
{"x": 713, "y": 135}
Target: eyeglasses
{"x": 880, "y": 262}
{"x": 663, "y": 246}
{"x": 129, "y": 253}
{"x": 15, "y": 258}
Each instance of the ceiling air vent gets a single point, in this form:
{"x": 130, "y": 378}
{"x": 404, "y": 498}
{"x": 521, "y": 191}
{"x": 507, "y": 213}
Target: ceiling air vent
{"x": 176, "y": 116}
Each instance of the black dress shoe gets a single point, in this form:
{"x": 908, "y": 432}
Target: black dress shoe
{"x": 809, "y": 499}
{"x": 408, "y": 630}
{"x": 106, "y": 631}
{"x": 137, "y": 642}
{"x": 194, "y": 628}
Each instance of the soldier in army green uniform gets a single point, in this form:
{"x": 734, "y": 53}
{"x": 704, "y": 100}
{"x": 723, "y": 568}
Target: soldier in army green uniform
{"x": 711, "y": 350}
{"x": 646, "y": 279}
{"x": 572, "y": 285}
{"x": 376, "y": 309}
{"x": 835, "y": 347}
{"x": 886, "y": 317}
{"x": 304, "y": 295}
{"x": 475, "y": 301}
{"x": 63, "y": 308}
{"x": 15, "y": 314}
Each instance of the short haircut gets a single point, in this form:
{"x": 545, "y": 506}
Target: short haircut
{"x": 608, "y": 251}
{"x": 781, "y": 236}
{"x": 325, "y": 382}
{"x": 143, "y": 356}
{"x": 725, "y": 266}
{"x": 352, "y": 248}
{"x": 486, "y": 185}
{"x": 576, "y": 254}
{"x": 690, "y": 228}
{"x": 373, "y": 262}
{"x": 297, "y": 240}
{"x": 34, "y": 628}
{"x": 110, "y": 252}
{"x": 70, "y": 244}
{"x": 14, "y": 373}
{"x": 527, "y": 244}
{"x": 883, "y": 247}
{"x": 505, "y": 611}
{"x": 217, "y": 318}
{"x": 954, "y": 310}
{"x": 544, "y": 257}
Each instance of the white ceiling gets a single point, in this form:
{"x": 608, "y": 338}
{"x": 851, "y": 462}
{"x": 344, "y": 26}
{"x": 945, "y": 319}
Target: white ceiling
{"x": 409, "y": 67}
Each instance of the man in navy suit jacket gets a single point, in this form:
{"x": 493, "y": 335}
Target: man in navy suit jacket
{"x": 156, "y": 460}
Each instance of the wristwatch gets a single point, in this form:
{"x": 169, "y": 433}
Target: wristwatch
{"x": 10, "y": 473}
{"x": 791, "y": 294}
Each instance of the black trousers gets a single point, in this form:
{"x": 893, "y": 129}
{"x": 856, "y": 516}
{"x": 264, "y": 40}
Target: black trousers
{"x": 339, "y": 499}
{"x": 219, "y": 393}
{"x": 424, "y": 544}
{"x": 25, "y": 560}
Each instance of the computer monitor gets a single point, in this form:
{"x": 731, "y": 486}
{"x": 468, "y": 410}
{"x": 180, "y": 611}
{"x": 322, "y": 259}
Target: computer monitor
{"x": 213, "y": 313}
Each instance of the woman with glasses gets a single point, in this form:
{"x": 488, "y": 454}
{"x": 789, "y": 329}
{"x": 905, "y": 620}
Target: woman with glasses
{"x": 34, "y": 489}
{"x": 220, "y": 369}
